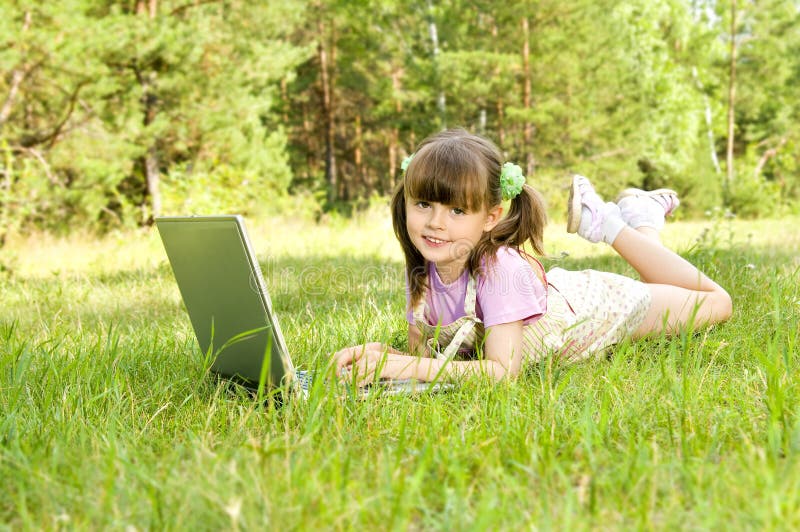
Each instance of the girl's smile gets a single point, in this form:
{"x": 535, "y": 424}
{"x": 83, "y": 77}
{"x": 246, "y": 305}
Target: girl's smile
{"x": 434, "y": 242}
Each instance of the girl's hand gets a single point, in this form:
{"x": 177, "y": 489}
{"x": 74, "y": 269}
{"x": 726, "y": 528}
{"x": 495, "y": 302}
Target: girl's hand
{"x": 370, "y": 362}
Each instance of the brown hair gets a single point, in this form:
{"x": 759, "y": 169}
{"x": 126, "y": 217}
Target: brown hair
{"x": 455, "y": 167}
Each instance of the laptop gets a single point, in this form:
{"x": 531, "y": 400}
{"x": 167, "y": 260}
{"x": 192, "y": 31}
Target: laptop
{"x": 222, "y": 288}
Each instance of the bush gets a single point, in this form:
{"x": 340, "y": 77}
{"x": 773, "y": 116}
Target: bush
{"x": 750, "y": 198}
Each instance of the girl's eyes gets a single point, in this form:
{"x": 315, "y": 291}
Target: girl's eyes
{"x": 427, "y": 205}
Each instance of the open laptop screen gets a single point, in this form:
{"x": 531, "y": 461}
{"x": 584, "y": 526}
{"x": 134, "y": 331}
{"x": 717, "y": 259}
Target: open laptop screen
{"x": 221, "y": 285}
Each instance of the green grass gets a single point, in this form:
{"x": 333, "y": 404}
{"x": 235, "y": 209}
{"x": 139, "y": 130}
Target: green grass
{"x": 107, "y": 419}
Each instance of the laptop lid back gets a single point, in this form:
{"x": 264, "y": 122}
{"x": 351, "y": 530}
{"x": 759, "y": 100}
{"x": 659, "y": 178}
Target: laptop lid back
{"x": 222, "y": 288}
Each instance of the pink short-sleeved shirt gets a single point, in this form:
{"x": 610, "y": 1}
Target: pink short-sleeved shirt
{"x": 508, "y": 290}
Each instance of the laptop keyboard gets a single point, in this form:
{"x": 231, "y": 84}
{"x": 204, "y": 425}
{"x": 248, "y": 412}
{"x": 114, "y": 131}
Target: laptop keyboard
{"x": 304, "y": 379}
{"x": 387, "y": 386}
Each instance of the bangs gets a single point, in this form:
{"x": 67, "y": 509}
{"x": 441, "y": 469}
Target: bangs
{"x": 448, "y": 174}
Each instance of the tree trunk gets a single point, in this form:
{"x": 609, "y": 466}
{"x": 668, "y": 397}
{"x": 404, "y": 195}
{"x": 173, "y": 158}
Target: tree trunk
{"x": 16, "y": 79}
{"x": 309, "y": 138}
{"x": 150, "y": 102}
{"x": 5, "y": 193}
{"x": 697, "y": 11}
{"x": 327, "y": 111}
{"x": 712, "y": 148}
{"x": 394, "y": 137}
{"x": 501, "y": 129}
{"x": 151, "y": 163}
{"x": 441, "y": 104}
{"x": 147, "y": 7}
{"x": 285, "y": 102}
{"x": 527, "y": 134}
{"x": 153, "y": 180}
{"x": 731, "y": 107}
{"x": 501, "y": 132}
{"x": 357, "y": 155}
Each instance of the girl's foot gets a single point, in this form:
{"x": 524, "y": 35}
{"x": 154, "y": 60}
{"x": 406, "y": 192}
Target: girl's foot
{"x": 589, "y": 215}
{"x": 640, "y": 208}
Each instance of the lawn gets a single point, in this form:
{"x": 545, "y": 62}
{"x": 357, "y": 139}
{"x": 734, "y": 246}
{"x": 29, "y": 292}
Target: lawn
{"x": 108, "y": 420}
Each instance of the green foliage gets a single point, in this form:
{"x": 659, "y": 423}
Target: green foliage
{"x": 189, "y": 86}
{"x": 93, "y": 94}
{"x": 254, "y": 186}
{"x": 752, "y": 198}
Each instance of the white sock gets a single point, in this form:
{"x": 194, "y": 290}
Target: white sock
{"x": 612, "y": 226}
{"x": 611, "y": 223}
{"x": 642, "y": 211}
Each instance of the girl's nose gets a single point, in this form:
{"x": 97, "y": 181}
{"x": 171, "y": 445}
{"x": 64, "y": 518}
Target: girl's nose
{"x": 436, "y": 220}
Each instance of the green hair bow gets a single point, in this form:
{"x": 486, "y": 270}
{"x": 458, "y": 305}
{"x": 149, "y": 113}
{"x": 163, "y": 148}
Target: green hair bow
{"x": 511, "y": 181}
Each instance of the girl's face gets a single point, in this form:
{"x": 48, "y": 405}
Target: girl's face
{"x": 445, "y": 234}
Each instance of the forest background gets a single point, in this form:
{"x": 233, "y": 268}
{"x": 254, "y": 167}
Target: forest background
{"x": 114, "y": 112}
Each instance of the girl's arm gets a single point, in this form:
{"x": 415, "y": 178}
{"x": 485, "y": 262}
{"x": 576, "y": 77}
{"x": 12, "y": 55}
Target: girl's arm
{"x": 503, "y": 348}
{"x": 415, "y": 344}
{"x": 502, "y": 356}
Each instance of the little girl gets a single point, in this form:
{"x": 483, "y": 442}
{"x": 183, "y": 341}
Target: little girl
{"x": 478, "y": 303}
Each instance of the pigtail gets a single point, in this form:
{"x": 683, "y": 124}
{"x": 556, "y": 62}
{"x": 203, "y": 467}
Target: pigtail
{"x": 525, "y": 222}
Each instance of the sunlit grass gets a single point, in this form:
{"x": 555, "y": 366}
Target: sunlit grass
{"x": 107, "y": 419}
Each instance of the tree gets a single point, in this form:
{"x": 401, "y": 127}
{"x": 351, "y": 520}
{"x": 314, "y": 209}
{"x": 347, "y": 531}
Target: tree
{"x": 762, "y": 72}
{"x": 126, "y": 102}
{"x": 733, "y": 37}
{"x": 111, "y": 112}
{"x": 44, "y": 80}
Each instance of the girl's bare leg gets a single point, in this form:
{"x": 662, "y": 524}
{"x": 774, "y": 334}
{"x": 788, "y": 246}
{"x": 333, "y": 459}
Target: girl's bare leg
{"x": 681, "y": 294}
{"x": 649, "y": 232}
